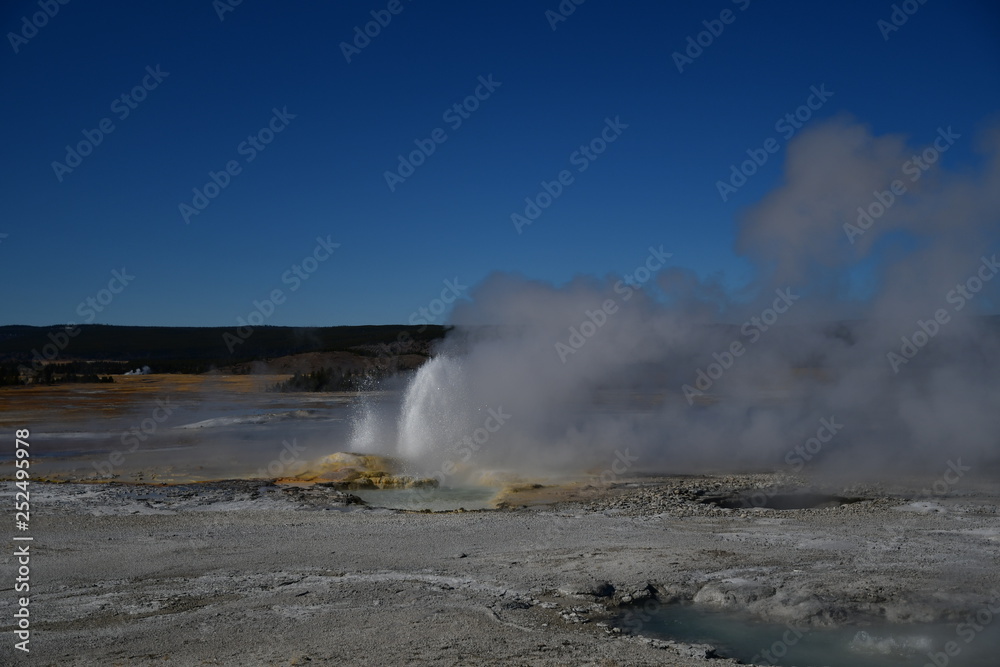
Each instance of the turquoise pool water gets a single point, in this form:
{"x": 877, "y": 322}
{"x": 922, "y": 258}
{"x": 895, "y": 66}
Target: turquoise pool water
{"x": 975, "y": 642}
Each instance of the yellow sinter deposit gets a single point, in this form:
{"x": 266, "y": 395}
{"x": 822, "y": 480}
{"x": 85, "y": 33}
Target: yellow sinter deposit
{"x": 361, "y": 471}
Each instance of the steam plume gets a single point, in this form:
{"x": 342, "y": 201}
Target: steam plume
{"x": 844, "y": 291}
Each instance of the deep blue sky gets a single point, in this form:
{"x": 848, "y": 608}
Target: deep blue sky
{"x": 323, "y": 175}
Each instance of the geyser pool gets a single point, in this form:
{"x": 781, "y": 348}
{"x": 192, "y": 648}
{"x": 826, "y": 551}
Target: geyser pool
{"x": 786, "y": 500}
{"x": 873, "y": 644}
{"x": 436, "y": 499}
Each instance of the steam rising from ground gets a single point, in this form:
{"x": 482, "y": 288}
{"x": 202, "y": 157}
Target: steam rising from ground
{"x": 653, "y": 377}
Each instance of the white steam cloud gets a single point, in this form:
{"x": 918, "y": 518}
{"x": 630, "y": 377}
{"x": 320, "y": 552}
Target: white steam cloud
{"x": 861, "y": 344}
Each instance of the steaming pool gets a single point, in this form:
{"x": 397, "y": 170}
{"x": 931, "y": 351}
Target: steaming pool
{"x": 875, "y": 644}
{"x": 440, "y": 499}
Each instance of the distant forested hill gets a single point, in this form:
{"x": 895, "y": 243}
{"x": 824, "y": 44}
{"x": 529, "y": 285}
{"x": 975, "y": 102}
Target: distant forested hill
{"x": 197, "y": 349}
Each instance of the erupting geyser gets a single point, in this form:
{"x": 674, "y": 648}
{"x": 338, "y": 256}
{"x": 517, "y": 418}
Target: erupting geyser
{"x": 430, "y": 422}
{"x": 683, "y": 372}
{"x": 434, "y": 413}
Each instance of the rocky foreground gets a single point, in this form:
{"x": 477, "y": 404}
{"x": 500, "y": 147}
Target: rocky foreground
{"x": 253, "y": 573}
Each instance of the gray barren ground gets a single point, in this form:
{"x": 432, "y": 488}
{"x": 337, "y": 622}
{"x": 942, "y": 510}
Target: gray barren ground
{"x": 247, "y": 573}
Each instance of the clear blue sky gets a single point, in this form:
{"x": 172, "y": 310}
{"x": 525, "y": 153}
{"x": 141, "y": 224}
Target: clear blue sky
{"x": 323, "y": 174}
